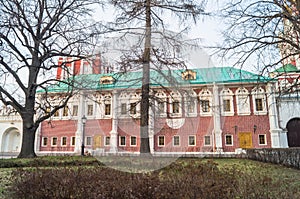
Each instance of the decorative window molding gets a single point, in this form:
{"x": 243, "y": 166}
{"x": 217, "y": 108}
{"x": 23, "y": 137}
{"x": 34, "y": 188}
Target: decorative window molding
{"x": 161, "y": 140}
{"x": 107, "y": 80}
{"x": 205, "y": 97}
{"x": 107, "y": 106}
{"x": 176, "y": 140}
{"x": 192, "y": 140}
{"x": 228, "y": 140}
{"x": 242, "y": 101}
{"x": 284, "y": 85}
{"x": 134, "y": 105}
{"x": 227, "y": 108}
{"x": 189, "y": 75}
{"x": 259, "y": 101}
{"x": 161, "y": 104}
{"x": 175, "y": 104}
{"x": 190, "y": 99}
{"x": 75, "y": 110}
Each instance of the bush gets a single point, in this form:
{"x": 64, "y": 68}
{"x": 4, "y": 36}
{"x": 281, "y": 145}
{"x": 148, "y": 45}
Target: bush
{"x": 182, "y": 179}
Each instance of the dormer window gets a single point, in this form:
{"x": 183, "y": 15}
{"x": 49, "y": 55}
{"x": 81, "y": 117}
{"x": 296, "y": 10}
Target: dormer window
{"x": 189, "y": 75}
{"x": 107, "y": 80}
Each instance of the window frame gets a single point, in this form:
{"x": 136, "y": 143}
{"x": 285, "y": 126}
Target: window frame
{"x": 205, "y": 139}
{"x": 189, "y": 140}
{"x": 173, "y": 140}
{"x": 121, "y": 139}
{"x": 107, "y": 141}
{"x": 73, "y": 141}
{"x": 135, "y": 140}
{"x": 159, "y": 139}
{"x": 227, "y": 95}
{"x": 88, "y": 140}
{"x": 64, "y": 139}
{"x": 205, "y": 95}
{"x": 52, "y": 141}
{"x": 43, "y": 141}
{"x": 265, "y": 139}
{"x": 243, "y": 101}
{"x": 231, "y": 138}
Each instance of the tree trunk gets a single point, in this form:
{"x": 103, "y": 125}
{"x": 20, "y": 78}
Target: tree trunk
{"x": 28, "y": 140}
{"x": 144, "y": 126}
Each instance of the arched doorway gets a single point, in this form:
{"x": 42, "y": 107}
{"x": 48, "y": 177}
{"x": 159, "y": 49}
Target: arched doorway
{"x": 11, "y": 140}
{"x": 293, "y": 134}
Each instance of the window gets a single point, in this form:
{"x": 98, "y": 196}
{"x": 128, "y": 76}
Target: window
{"x": 259, "y": 101}
{"x": 226, "y": 105}
{"x": 45, "y": 141}
{"x": 64, "y": 141}
{"x": 192, "y": 140}
{"x": 161, "y": 107}
{"x": 262, "y": 139}
{"x": 207, "y": 140}
{"x": 123, "y": 109}
{"x": 176, "y": 140}
{"x": 107, "y": 109}
{"x": 258, "y": 104}
{"x": 73, "y": 141}
{"x": 205, "y": 102}
{"x": 133, "y": 141}
{"x": 175, "y": 107}
{"x": 122, "y": 141}
{"x": 54, "y": 141}
{"x": 242, "y": 100}
{"x": 205, "y": 106}
{"x": 133, "y": 108}
{"x": 75, "y": 110}
{"x": 227, "y": 102}
{"x": 65, "y": 111}
{"x": 107, "y": 141}
{"x": 191, "y": 107}
{"x": 161, "y": 140}
{"x": 90, "y": 110}
{"x": 88, "y": 141}
{"x": 56, "y": 114}
{"x": 228, "y": 140}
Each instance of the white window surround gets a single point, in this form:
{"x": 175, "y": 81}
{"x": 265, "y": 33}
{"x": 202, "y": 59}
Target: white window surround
{"x": 43, "y": 141}
{"x": 71, "y": 142}
{"x": 62, "y": 140}
{"x": 190, "y": 99}
{"x": 128, "y": 98}
{"x": 259, "y": 93}
{"x": 161, "y": 98}
{"x": 226, "y": 140}
{"x": 135, "y": 98}
{"x": 173, "y": 140}
{"x": 88, "y": 141}
{"x": 120, "y": 140}
{"x": 227, "y": 94}
{"x": 52, "y": 140}
{"x": 205, "y": 95}
{"x": 242, "y": 101}
{"x": 265, "y": 139}
{"x": 131, "y": 138}
{"x": 175, "y": 97}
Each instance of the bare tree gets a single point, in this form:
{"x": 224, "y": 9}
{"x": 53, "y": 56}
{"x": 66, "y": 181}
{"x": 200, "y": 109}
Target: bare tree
{"x": 33, "y": 35}
{"x": 156, "y": 47}
{"x": 262, "y": 33}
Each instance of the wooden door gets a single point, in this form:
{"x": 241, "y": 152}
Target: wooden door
{"x": 97, "y": 142}
{"x": 245, "y": 140}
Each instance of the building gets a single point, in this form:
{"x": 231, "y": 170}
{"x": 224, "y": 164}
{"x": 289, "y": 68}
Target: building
{"x": 207, "y": 110}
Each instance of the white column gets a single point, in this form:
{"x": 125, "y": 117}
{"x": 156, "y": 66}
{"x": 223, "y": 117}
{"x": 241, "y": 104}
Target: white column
{"x": 79, "y": 133}
{"x": 217, "y": 119}
{"x": 114, "y": 130}
{"x": 151, "y": 130}
{"x": 276, "y": 133}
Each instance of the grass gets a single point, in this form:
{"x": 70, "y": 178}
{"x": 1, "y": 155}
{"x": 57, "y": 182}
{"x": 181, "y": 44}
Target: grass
{"x": 267, "y": 178}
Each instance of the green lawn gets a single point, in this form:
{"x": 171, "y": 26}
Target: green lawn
{"x": 253, "y": 178}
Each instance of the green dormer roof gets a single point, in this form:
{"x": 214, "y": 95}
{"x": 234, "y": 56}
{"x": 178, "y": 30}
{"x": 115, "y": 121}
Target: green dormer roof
{"x": 165, "y": 78}
{"x": 288, "y": 68}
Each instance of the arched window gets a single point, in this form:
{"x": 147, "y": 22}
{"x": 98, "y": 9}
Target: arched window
{"x": 259, "y": 101}
{"x": 175, "y": 104}
{"x": 205, "y": 102}
{"x": 161, "y": 103}
{"x": 190, "y": 100}
{"x": 227, "y": 102}
{"x": 242, "y": 101}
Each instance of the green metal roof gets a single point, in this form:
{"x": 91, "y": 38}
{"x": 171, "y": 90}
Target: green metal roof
{"x": 287, "y": 68}
{"x": 164, "y": 78}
